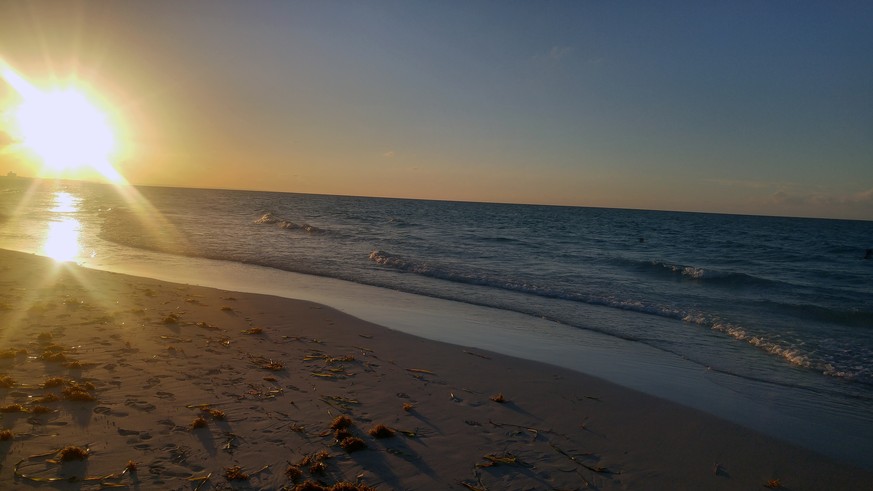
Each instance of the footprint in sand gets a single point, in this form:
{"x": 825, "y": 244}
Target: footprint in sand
{"x": 153, "y": 381}
{"x": 141, "y": 405}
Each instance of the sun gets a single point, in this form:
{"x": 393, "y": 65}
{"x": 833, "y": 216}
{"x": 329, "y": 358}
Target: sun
{"x": 63, "y": 128}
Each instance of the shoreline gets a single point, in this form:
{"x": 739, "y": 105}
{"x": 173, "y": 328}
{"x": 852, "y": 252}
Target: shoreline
{"x": 839, "y": 429}
{"x": 155, "y": 356}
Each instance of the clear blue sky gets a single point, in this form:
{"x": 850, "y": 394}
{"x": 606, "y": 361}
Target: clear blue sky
{"x": 761, "y": 107}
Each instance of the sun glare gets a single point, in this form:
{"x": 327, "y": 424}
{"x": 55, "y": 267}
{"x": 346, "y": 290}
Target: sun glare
{"x": 62, "y": 240}
{"x": 63, "y": 128}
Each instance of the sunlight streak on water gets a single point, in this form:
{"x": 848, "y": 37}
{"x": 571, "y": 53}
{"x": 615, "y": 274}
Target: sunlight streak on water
{"x": 66, "y": 203}
{"x": 62, "y": 240}
{"x": 62, "y": 237}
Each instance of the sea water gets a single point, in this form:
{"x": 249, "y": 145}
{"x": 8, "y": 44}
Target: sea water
{"x": 773, "y": 309}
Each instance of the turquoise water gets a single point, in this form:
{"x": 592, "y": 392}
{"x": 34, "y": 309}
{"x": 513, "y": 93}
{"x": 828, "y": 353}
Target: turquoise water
{"x": 763, "y": 305}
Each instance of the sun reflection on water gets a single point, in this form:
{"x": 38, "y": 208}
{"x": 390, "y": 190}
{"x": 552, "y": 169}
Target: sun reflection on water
{"x": 62, "y": 237}
{"x": 65, "y": 202}
{"x": 62, "y": 240}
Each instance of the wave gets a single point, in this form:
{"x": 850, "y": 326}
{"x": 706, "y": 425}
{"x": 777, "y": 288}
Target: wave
{"x": 500, "y": 240}
{"x": 473, "y": 277}
{"x": 270, "y": 219}
{"x": 793, "y": 355}
{"x": 696, "y": 274}
{"x": 401, "y": 223}
{"x": 467, "y": 275}
{"x": 785, "y": 350}
{"x": 855, "y": 317}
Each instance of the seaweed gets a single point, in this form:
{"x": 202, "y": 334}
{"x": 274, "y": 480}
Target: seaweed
{"x": 293, "y": 472}
{"x": 69, "y": 453}
{"x": 77, "y": 392}
{"x": 381, "y": 431}
{"x": 340, "y": 422}
{"x": 199, "y": 422}
{"x": 235, "y": 473}
{"x": 55, "y": 382}
{"x": 352, "y": 444}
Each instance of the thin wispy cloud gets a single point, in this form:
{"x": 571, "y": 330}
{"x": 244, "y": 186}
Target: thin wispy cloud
{"x": 559, "y": 52}
{"x": 824, "y": 199}
{"x": 799, "y": 199}
{"x": 555, "y": 54}
{"x": 749, "y": 184}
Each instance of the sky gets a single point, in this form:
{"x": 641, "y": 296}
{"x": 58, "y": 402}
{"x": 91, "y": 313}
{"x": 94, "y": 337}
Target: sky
{"x": 752, "y": 107}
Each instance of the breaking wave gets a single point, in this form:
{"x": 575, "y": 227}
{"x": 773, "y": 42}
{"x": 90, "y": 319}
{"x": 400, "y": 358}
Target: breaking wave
{"x": 684, "y": 272}
{"x": 789, "y": 351}
{"x": 270, "y": 219}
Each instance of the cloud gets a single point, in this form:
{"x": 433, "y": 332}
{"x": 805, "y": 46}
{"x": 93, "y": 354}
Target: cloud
{"x": 783, "y": 198}
{"x": 389, "y": 154}
{"x": 745, "y": 183}
{"x": 559, "y": 52}
{"x": 555, "y": 54}
{"x": 857, "y": 205}
{"x": 792, "y": 198}
{"x": 862, "y": 197}
{"x": 823, "y": 199}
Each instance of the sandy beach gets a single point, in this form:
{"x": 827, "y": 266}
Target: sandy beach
{"x": 109, "y": 380}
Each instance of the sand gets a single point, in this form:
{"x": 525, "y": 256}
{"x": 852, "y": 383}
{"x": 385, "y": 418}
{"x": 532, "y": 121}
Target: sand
{"x": 168, "y": 386}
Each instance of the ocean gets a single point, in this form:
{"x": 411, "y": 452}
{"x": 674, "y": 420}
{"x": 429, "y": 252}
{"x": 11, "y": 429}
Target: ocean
{"x": 772, "y": 305}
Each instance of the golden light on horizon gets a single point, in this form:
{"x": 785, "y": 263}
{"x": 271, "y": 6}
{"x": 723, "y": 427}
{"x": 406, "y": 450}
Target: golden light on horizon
{"x": 65, "y": 129}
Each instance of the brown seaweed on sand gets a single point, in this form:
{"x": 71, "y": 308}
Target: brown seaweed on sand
{"x": 69, "y": 453}
{"x": 505, "y": 459}
{"x": 76, "y": 391}
{"x": 340, "y": 422}
{"x": 293, "y": 472}
{"x": 235, "y": 473}
{"x": 352, "y": 444}
{"x": 381, "y": 431}
{"x": 498, "y": 398}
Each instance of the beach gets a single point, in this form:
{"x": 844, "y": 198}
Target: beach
{"x": 171, "y": 386}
